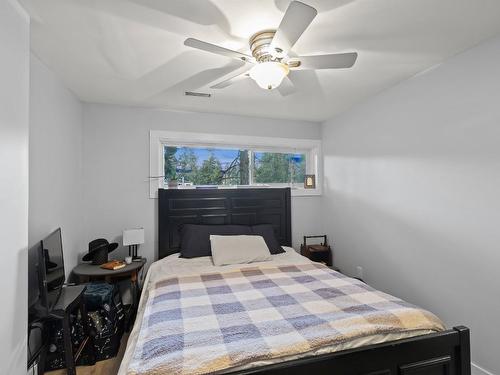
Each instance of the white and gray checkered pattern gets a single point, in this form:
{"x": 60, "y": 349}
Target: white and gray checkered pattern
{"x": 205, "y": 323}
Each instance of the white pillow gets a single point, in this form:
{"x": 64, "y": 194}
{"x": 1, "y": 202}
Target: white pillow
{"x": 238, "y": 249}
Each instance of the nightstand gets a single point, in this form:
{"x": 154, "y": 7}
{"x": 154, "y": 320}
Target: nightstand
{"x": 317, "y": 252}
{"x": 88, "y": 272}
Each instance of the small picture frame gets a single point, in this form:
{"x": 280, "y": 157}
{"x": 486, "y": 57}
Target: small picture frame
{"x": 310, "y": 181}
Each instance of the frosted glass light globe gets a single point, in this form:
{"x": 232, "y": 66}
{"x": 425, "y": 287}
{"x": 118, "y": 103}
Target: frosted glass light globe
{"x": 269, "y": 74}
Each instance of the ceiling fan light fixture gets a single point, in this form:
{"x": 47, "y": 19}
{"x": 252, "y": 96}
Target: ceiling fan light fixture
{"x": 271, "y": 60}
{"x": 269, "y": 74}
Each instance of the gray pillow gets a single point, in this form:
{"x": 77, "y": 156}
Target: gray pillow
{"x": 267, "y": 231}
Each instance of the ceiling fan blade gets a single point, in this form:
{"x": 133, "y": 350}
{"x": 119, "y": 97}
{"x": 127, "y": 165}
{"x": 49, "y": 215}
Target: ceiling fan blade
{"x": 297, "y": 18}
{"x": 287, "y": 87}
{"x": 230, "y": 81}
{"x": 333, "y": 61}
{"x": 204, "y": 46}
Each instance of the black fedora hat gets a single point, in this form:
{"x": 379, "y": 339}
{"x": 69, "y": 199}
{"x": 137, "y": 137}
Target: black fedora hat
{"x": 98, "y": 251}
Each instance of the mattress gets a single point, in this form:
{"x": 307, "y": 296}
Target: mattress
{"x": 173, "y": 266}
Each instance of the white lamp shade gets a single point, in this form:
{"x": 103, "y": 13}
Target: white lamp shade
{"x": 269, "y": 74}
{"x": 133, "y": 236}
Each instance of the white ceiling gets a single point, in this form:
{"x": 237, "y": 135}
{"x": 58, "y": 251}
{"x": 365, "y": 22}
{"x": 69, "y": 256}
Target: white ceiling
{"x": 131, "y": 52}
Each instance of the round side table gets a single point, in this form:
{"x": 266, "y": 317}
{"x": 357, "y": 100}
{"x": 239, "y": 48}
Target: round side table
{"x": 86, "y": 272}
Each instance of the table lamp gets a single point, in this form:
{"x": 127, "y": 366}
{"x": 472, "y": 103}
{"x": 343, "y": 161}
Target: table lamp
{"x": 133, "y": 238}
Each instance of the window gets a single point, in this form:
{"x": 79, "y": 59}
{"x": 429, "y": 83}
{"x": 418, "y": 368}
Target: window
{"x": 191, "y": 159}
{"x": 194, "y": 166}
{"x": 205, "y": 166}
{"x": 276, "y": 167}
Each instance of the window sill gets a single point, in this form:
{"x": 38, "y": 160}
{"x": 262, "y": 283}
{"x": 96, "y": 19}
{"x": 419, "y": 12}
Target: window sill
{"x": 306, "y": 192}
{"x": 295, "y": 192}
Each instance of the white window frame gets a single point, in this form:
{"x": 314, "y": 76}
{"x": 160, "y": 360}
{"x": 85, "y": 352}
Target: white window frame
{"x": 159, "y": 138}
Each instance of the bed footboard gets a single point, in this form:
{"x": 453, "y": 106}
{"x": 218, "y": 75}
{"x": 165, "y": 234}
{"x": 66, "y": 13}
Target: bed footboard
{"x": 444, "y": 353}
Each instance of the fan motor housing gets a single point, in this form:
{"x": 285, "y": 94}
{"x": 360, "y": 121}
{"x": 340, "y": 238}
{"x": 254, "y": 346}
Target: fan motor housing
{"x": 260, "y": 45}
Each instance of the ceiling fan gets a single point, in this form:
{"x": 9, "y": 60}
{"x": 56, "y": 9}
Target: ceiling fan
{"x": 271, "y": 61}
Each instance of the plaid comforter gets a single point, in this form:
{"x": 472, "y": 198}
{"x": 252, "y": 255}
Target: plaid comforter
{"x": 211, "y": 322}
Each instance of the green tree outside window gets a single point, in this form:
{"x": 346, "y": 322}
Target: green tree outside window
{"x": 203, "y": 166}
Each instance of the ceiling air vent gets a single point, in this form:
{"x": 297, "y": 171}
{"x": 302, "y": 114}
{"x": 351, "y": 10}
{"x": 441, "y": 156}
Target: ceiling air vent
{"x": 199, "y": 94}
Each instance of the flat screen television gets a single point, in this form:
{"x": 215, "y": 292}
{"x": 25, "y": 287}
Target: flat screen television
{"x": 51, "y": 274}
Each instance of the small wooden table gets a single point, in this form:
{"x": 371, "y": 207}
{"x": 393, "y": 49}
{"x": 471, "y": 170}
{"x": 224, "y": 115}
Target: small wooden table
{"x": 87, "y": 272}
{"x": 317, "y": 252}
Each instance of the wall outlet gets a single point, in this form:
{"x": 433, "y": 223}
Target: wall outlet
{"x": 359, "y": 272}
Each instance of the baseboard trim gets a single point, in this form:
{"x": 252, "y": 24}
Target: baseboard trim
{"x": 477, "y": 370}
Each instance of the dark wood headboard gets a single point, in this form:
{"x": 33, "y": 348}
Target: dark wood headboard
{"x": 221, "y": 206}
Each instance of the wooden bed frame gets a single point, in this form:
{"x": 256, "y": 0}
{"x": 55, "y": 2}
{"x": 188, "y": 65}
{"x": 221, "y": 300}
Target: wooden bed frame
{"x": 444, "y": 353}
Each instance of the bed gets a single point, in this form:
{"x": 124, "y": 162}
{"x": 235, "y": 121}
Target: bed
{"x": 365, "y": 332}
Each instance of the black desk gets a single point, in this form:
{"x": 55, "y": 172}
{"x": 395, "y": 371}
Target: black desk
{"x": 71, "y": 298}
{"x": 69, "y": 295}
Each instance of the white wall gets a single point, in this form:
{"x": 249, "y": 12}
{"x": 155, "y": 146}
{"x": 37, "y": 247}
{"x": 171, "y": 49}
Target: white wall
{"x": 14, "y": 117}
{"x": 412, "y": 193}
{"x": 116, "y": 166}
{"x": 55, "y": 188}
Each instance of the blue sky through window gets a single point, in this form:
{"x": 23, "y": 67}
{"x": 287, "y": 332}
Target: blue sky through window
{"x": 224, "y": 155}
